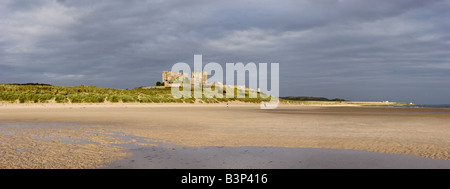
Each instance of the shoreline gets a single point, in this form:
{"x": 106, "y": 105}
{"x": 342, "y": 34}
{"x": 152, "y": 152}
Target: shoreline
{"x": 150, "y": 105}
{"x": 234, "y": 103}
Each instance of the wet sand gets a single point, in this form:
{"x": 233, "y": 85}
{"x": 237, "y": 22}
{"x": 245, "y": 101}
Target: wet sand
{"x": 212, "y": 157}
{"x": 305, "y": 133}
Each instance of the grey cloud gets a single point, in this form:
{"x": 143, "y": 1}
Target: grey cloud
{"x": 353, "y": 49}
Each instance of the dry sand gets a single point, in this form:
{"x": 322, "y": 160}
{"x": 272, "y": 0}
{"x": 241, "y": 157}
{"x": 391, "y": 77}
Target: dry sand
{"x": 84, "y": 135}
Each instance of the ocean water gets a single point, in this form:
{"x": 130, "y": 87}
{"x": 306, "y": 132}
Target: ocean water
{"x": 436, "y": 106}
{"x": 429, "y": 106}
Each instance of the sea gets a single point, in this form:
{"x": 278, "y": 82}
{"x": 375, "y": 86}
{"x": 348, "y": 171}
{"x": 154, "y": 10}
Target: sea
{"x": 427, "y": 106}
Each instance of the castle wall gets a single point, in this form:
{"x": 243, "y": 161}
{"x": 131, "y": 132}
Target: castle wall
{"x": 169, "y": 77}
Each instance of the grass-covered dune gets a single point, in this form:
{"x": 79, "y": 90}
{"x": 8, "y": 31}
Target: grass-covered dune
{"x": 43, "y": 93}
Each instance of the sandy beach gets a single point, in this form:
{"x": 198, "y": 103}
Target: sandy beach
{"x": 100, "y": 135}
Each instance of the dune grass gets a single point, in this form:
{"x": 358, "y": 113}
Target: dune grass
{"x": 92, "y": 94}
{"x": 23, "y": 93}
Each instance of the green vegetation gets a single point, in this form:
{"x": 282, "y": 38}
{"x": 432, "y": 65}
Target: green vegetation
{"x": 42, "y": 84}
{"x": 44, "y": 93}
{"x": 308, "y": 98}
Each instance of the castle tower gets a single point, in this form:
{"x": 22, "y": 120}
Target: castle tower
{"x": 169, "y": 77}
{"x": 202, "y": 75}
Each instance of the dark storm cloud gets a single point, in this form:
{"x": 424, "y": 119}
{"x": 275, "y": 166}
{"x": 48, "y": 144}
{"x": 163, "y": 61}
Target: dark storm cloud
{"x": 353, "y": 49}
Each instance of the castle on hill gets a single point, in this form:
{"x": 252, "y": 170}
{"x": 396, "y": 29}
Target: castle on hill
{"x": 169, "y": 77}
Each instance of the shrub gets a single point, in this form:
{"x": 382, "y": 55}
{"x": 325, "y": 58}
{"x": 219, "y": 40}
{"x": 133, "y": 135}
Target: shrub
{"x": 113, "y": 98}
{"x": 60, "y": 99}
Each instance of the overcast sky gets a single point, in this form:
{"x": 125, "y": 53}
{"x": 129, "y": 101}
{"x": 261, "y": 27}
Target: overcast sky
{"x": 352, "y": 49}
